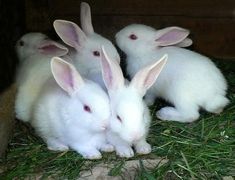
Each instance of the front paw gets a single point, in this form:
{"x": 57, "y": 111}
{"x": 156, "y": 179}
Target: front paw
{"x": 143, "y": 148}
{"x": 167, "y": 114}
{"x": 91, "y": 154}
{"x": 107, "y": 148}
{"x": 125, "y": 151}
{"x": 55, "y": 145}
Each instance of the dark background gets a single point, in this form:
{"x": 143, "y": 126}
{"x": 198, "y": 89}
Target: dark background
{"x": 212, "y": 22}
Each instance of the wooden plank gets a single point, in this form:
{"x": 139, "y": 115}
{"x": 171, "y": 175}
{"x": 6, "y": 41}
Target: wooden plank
{"x": 193, "y": 8}
{"x": 7, "y": 117}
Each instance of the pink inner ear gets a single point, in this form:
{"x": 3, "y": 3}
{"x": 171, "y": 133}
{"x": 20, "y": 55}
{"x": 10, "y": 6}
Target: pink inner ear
{"x": 112, "y": 73}
{"x": 150, "y": 79}
{"x": 171, "y": 37}
{"x": 107, "y": 74}
{"x": 70, "y": 33}
{"x": 68, "y": 79}
{"x": 48, "y": 49}
{"x": 52, "y": 48}
{"x": 63, "y": 76}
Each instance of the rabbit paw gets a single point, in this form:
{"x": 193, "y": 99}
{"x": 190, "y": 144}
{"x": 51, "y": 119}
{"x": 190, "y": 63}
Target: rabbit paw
{"x": 55, "y": 145}
{"x": 168, "y": 113}
{"x": 171, "y": 114}
{"x": 125, "y": 151}
{"x": 143, "y": 148}
{"x": 91, "y": 154}
{"x": 107, "y": 148}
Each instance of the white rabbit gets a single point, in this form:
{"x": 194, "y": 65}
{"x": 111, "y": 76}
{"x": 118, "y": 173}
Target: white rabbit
{"x": 86, "y": 44}
{"x": 72, "y": 112}
{"x": 34, "y": 51}
{"x": 130, "y": 117}
{"x": 37, "y": 43}
{"x": 189, "y": 81}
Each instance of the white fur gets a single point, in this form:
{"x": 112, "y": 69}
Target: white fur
{"x": 59, "y": 117}
{"x": 189, "y": 80}
{"x": 87, "y": 63}
{"x": 85, "y": 41}
{"x": 34, "y": 69}
{"x": 126, "y": 101}
{"x": 63, "y": 122}
{"x": 128, "y": 104}
{"x": 30, "y": 40}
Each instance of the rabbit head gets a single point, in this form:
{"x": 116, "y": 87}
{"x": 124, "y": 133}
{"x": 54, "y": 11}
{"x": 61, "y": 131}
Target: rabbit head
{"x": 144, "y": 38}
{"x": 129, "y": 113}
{"x": 38, "y": 43}
{"x": 88, "y": 105}
{"x": 86, "y": 42}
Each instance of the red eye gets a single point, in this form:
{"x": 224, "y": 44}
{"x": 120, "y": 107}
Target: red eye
{"x": 96, "y": 53}
{"x": 118, "y": 117}
{"x": 87, "y": 108}
{"x": 133, "y": 37}
{"x": 21, "y": 43}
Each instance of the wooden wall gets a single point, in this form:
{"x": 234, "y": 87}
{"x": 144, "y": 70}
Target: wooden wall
{"x": 12, "y": 27}
{"x": 212, "y": 22}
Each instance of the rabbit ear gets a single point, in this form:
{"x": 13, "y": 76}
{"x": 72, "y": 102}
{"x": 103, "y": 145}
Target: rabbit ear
{"x": 66, "y": 75}
{"x": 52, "y": 48}
{"x": 170, "y": 36}
{"x": 111, "y": 71}
{"x": 185, "y": 43}
{"x": 85, "y": 17}
{"x": 146, "y": 77}
{"x": 70, "y": 33}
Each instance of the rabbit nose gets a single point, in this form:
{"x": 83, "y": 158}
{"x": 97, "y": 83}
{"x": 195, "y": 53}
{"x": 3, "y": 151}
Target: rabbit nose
{"x": 104, "y": 126}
